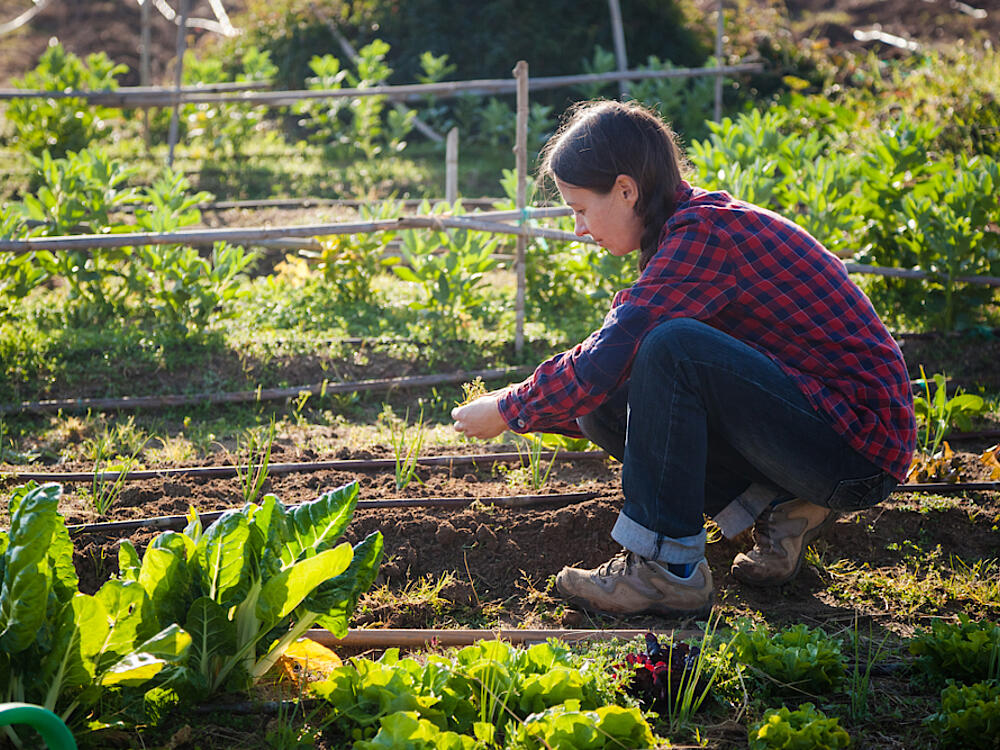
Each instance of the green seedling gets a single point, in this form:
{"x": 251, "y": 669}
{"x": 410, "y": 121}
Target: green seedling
{"x": 937, "y": 414}
{"x": 104, "y": 493}
{"x": 859, "y": 681}
{"x": 405, "y": 450}
{"x": 257, "y": 452}
{"x": 530, "y": 451}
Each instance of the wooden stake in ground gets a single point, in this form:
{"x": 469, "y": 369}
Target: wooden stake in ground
{"x": 521, "y": 156}
{"x": 181, "y": 47}
{"x": 451, "y": 167}
{"x": 618, "y": 34}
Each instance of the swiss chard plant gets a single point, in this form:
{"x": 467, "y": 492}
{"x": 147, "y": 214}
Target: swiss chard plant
{"x": 61, "y": 649}
{"x": 253, "y": 582}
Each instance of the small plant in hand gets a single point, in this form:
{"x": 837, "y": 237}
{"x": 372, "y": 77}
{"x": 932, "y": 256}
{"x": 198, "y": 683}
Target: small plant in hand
{"x": 472, "y": 390}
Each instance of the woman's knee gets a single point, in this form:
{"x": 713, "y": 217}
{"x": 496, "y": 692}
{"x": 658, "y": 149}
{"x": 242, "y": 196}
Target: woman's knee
{"x": 672, "y": 338}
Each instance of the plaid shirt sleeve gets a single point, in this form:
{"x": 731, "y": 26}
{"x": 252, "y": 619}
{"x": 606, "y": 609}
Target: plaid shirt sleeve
{"x": 765, "y": 281}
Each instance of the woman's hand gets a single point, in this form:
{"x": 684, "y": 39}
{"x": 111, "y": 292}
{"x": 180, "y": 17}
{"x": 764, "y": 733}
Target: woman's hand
{"x": 480, "y": 418}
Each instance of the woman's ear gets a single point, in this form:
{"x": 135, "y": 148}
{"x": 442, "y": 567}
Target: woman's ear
{"x": 627, "y": 188}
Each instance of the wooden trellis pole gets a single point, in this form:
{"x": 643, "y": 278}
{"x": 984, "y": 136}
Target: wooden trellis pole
{"x": 718, "y": 60}
{"x": 181, "y": 47}
{"x": 521, "y": 157}
{"x": 618, "y": 34}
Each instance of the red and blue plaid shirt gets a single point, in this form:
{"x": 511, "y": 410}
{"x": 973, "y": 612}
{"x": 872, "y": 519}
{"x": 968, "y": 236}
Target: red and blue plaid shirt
{"x": 762, "y": 279}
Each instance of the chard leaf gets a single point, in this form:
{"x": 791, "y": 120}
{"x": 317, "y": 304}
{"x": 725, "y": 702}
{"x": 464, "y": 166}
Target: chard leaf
{"x": 222, "y": 559}
{"x": 179, "y": 544}
{"x": 130, "y": 619}
{"x": 267, "y": 535}
{"x": 336, "y": 598}
{"x": 169, "y": 646}
{"x": 164, "y": 576}
{"x": 284, "y": 592}
{"x": 27, "y": 578}
{"x": 213, "y": 637}
{"x": 128, "y": 561}
{"x": 315, "y": 526}
{"x": 69, "y": 664}
{"x": 65, "y": 581}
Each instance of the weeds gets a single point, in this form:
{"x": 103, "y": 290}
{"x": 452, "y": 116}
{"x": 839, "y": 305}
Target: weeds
{"x": 405, "y": 450}
{"x": 104, "y": 494}
{"x": 252, "y": 473}
{"x": 858, "y": 681}
{"x": 537, "y": 477}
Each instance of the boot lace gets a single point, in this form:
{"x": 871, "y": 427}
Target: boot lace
{"x": 621, "y": 563}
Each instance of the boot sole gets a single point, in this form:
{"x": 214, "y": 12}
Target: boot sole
{"x": 807, "y": 538}
{"x": 581, "y": 603}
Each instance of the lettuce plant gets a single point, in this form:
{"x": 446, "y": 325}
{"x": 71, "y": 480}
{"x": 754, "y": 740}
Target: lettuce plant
{"x": 59, "y": 648}
{"x": 965, "y": 651}
{"x": 802, "y": 729}
{"x": 969, "y": 716}
{"x": 797, "y": 657}
{"x": 252, "y": 583}
{"x": 567, "y": 726}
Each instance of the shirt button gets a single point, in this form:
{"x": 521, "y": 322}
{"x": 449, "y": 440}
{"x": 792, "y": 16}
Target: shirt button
{"x": 520, "y": 423}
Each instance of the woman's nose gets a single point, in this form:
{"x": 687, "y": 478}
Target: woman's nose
{"x": 580, "y": 227}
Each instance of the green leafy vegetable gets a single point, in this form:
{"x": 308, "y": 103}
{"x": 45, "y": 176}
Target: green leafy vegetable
{"x": 796, "y": 658}
{"x": 969, "y": 716}
{"x": 965, "y": 651}
{"x": 803, "y": 729}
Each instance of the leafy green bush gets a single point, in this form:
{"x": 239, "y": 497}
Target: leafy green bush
{"x": 795, "y": 658}
{"x": 345, "y": 126}
{"x": 59, "y": 648}
{"x": 483, "y": 691}
{"x": 252, "y": 583}
{"x": 802, "y": 729}
{"x": 965, "y": 651}
{"x": 969, "y": 716}
{"x": 223, "y": 127}
{"x": 566, "y": 726}
{"x": 937, "y": 414}
{"x": 63, "y": 125}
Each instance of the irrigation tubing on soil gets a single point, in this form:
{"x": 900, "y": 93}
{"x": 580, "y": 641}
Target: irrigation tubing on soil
{"x": 379, "y": 638}
{"x": 507, "y": 501}
{"x": 260, "y": 394}
{"x": 290, "y": 468}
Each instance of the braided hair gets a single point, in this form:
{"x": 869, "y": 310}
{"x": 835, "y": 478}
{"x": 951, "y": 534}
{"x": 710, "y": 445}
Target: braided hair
{"x": 600, "y": 140}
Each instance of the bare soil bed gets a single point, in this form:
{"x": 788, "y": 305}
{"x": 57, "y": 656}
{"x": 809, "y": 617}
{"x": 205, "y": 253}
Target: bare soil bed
{"x": 496, "y": 562}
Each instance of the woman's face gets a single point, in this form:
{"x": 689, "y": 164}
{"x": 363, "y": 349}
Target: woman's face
{"x": 609, "y": 218}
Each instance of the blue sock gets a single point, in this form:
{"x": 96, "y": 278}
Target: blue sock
{"x": 682, "y": 570}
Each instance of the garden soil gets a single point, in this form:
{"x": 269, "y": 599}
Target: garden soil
{"x": 496, "y": 563}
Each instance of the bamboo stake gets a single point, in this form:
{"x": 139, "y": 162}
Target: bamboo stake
{"x": 521, "y": 159}
{"x": 382, "y": 638}
{"x": 718, "y": 59}
{"x": 130, "y": 97}
{"x": 346, "y": 465}
{"x": 178, "y": 79}
{"x": 260, "y": 394}
{"x": 618, "y": 34}
{"x": 451, "y": 167}
{"x": 178, "y": 521}
{"x": 21, "y": 20}
{"x": 145, "y": 73}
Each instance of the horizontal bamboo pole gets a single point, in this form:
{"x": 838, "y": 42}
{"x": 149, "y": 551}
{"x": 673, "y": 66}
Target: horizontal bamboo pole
{"x": 948, "y": 487}
{"x": 238, "y": 235}
{"x": 260, "y": 394}
{"x": 131, "y": 98}
{"x": 251, "y": 235}
{"x": 222, "y": 472}
{"x": 506, "y": 501}
{"x": 382, "y": 638}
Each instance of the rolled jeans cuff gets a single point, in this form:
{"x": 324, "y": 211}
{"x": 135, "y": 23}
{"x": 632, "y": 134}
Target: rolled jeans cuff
{"x": 744, "y": 510}
{"x": 637, "y": 538}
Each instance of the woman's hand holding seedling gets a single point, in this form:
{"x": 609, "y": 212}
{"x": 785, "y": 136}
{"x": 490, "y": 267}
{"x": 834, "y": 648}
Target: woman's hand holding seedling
{"x": 480, "y": 418}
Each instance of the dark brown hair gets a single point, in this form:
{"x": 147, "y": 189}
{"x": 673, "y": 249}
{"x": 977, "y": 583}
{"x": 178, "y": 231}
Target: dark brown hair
{"x": 600, "y": 140}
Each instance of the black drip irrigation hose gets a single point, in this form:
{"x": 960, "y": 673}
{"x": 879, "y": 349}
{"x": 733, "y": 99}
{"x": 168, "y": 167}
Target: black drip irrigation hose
{"x": 511, "y": 501}
{"x": 257, "y": 395}
{"x": 290, "y": 468}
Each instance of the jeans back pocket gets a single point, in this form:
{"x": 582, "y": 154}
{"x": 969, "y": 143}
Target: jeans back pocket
{"x": 857, "y": 494}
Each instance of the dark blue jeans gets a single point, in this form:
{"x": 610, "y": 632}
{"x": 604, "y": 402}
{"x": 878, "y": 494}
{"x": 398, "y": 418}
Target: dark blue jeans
{"x": 709, "y": 425}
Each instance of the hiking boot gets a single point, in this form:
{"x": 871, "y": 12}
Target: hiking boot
{"x": 781, "y": 536}
{"x": 632, "y": 585}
